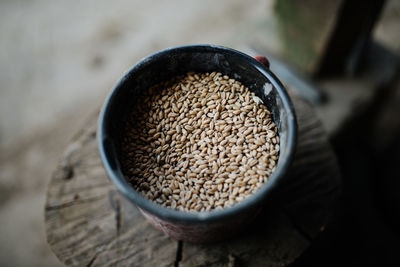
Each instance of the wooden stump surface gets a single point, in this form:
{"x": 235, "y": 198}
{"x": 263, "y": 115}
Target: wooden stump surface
{"x": 88, "y": 223}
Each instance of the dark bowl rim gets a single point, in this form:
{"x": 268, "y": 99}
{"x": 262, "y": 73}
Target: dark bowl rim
{"x": 116, "y": 176}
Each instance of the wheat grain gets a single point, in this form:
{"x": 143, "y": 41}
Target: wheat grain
{"x": 199, "y": 142}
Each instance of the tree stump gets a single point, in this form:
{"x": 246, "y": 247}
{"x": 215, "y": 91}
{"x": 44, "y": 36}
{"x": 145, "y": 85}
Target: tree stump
{"x": 88, "y": 223}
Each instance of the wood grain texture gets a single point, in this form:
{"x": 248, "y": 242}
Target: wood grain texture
{"x": 88, "y": 223}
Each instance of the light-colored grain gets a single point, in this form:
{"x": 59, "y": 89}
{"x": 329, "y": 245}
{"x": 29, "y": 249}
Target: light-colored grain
{"x": 199, "y": 142}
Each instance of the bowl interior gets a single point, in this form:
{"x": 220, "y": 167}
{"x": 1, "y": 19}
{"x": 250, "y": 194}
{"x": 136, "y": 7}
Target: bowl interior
{"x": 169, "y": 63}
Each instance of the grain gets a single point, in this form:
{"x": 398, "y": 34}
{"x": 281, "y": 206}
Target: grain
{"x": 199, "y": 142}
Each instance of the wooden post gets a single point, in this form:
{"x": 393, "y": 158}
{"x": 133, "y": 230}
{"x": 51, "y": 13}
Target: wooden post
{"x": 88, "y": 223}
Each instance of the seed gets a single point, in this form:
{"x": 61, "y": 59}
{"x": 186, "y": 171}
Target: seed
{"x": 248, "y": 131}
{"x": 189, "y": 128}
{"x": 240, "y": 141}
{"x": 219, "y": 181}
{"x": 205, "y": 143}
{"x": 166, "y": 191}
{"x": 253, "y": 162}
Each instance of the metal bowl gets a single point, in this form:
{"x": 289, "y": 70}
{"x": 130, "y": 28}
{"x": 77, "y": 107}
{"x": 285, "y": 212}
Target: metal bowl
{"x": 196, "y": 226}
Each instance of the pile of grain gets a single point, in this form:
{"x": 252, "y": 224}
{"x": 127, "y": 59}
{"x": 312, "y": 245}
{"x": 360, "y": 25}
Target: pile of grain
{"x": 199, "y": 142}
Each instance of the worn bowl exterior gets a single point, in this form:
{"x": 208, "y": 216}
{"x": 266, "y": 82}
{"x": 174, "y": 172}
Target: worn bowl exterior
{"x": 196, "y": 226}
